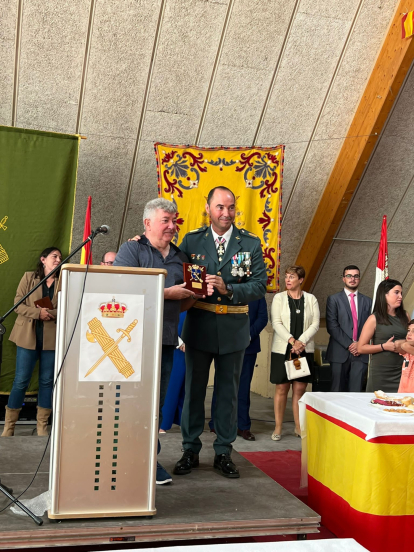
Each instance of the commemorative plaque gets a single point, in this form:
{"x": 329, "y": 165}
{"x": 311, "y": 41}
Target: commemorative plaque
{"x": 195, "y": 278}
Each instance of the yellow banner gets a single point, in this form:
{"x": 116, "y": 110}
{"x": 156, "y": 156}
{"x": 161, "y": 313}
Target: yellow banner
{"x": 187, "y": 173}
{"x": 374, "y": 478}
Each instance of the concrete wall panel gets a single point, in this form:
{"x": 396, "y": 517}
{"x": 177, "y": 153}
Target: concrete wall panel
{"x": 341, "y": 255}
{"x": 387, "y": 178}
{"x": 253, "y": 42}
{"x": 104, "y": 165}
{"x": 306, "y": 70}
{"x": 188, "y": 44}
{"x": 356, "y": 66}
{"x": 8, "y": 20}
{"x": 121, "y": 48}
{"x": 305, "y": 199}
{"x": 52, "y": 53}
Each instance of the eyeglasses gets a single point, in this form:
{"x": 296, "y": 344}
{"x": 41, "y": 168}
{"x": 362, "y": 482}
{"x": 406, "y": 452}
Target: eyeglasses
{"x": 109, "y": 262}
{"x": 352, "y": 276}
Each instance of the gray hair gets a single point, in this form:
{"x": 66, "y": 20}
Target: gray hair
{"x": 159, "y": 203}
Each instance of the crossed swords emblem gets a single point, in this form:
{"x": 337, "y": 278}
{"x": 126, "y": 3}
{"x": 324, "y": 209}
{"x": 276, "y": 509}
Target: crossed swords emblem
{"x": 97, "y": 333}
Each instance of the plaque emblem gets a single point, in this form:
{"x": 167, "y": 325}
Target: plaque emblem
{"x": 110, "y": 347}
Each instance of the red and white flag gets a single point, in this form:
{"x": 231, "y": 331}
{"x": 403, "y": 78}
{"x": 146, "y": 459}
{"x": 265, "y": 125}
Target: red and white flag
{"x": 381, "y": 271}
{"x": 86, "y": 255}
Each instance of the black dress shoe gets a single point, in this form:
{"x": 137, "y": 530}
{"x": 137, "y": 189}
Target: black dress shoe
{"x": 223, "y": 464}
{"x": 186, "y": 463}
{"x": 246, "y": 434}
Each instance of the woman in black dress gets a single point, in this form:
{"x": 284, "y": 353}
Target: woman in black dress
{"x": 295, "y": 320}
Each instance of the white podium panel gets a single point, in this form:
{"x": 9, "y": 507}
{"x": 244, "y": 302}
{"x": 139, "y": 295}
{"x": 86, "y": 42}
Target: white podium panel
{"x": 105, "y": 430}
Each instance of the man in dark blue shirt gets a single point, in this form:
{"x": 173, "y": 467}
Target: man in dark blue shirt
{"x": 155, "y": 250}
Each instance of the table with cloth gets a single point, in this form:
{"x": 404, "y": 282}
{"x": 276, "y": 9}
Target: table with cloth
{"x": 359, "y": 465}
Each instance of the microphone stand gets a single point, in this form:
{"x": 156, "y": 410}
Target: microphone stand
{"x": 8, "y": 492}
{"x": 5, "y": 490}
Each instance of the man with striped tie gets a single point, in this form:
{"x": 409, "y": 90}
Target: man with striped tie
{"x": 217, "y": 327}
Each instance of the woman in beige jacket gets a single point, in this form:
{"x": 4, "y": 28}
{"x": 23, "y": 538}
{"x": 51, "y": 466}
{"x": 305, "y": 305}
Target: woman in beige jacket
{"x": 295, "y": 320}
{"x": 34, "y": 333}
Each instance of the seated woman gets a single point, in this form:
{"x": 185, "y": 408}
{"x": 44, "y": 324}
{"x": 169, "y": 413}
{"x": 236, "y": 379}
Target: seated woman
{"x": 34, "y": 333}
{"x": 387, "y": 327}
{"x": 295, "y": 320}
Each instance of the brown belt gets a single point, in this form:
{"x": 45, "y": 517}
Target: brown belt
{"x": 221, "y": 309}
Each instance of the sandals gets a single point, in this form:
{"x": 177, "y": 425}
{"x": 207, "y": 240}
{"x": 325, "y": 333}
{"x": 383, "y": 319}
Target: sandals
{"x": 276, "y": 437}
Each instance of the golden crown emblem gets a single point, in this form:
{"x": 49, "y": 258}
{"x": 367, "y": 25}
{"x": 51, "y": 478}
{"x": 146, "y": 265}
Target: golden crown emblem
{"x": 113, "y": 309}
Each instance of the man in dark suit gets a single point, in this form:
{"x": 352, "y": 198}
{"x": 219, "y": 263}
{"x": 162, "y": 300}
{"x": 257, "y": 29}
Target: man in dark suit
{"x": 258, "y": 319}
{"x": 346, "y": 314}
{"x": 217, "y": 327}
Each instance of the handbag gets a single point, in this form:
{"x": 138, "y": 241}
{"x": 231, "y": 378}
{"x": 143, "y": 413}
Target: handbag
{"x": 296, "y": 368}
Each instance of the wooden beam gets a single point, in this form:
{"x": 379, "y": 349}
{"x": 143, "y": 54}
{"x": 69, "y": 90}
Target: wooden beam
{"x": 391, "y": 67}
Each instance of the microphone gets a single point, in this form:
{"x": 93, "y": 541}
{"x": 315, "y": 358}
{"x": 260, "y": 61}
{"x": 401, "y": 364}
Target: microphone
{"x": 104, "y": 229}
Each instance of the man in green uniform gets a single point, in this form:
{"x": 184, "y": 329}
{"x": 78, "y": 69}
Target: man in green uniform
{"x": 217, "y": 327}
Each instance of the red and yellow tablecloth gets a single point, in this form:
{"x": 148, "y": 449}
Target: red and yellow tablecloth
{"x": 362, "y": 488}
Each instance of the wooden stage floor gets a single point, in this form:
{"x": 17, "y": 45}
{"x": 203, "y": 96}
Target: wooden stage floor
{"x": 201, "y": 505}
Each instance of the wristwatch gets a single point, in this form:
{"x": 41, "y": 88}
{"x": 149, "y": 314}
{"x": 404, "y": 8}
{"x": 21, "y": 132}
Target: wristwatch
{"x": 230, "y": 292}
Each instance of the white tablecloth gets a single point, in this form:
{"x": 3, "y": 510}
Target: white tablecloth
{"x": 323, "y": 545}
{"x": 355, "y": 410}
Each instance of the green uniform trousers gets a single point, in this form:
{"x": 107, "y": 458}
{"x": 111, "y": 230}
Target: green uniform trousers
{"x": 228, "y": 369}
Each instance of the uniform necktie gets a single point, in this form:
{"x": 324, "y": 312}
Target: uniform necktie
{"x": 354, "y": 317}
{"x": 220, "y": 249}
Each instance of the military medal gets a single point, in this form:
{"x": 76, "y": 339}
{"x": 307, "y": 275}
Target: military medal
{"x": 234, "y": 267}
{"x": 240, "y": 258}
{"x": 248, "y": 264}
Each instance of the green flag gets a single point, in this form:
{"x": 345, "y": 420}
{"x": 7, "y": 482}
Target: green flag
{"x": 37, "y": 192}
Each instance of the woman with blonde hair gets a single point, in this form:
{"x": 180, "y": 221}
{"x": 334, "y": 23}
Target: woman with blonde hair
{"x": 295, "y": 320}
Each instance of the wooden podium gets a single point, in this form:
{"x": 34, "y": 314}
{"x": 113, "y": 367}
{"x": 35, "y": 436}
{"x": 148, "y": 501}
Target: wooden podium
{"x": 105, "y": 429}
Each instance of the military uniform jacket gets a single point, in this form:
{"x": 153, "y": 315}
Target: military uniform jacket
{"x": 223, "y": 333}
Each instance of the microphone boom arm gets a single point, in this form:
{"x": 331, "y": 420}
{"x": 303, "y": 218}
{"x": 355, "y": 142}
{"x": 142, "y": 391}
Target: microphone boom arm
{"x": 14, "y": 307}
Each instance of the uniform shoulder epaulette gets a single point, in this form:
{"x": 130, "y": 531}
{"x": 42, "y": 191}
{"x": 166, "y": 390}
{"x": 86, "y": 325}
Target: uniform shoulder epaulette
{"x": 197, "y": 229}
{"x": 250, "y": 234}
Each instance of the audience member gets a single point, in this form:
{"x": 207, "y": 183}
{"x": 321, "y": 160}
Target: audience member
{"x": 217, "y": 328}
{"x": 295, "y": 320}
{"x": 108, "y": 258}
{"x": 258, "y": 319}
{"x": 346, "y": 313}
{"x": 388, "y": 323}
{"x": 34, "y": 333}
{"x": 155, "y": 250}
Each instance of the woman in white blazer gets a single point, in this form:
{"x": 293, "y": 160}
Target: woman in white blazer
{"x": 295, "y": 320}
